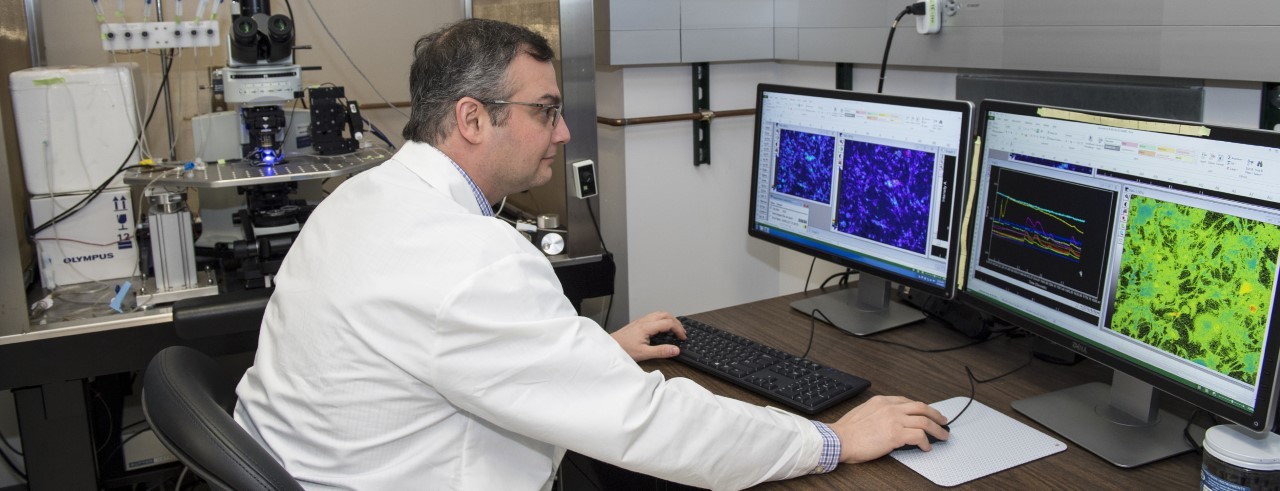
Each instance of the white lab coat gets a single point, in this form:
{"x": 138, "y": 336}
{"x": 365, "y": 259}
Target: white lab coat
{"x": 413, "y": 343}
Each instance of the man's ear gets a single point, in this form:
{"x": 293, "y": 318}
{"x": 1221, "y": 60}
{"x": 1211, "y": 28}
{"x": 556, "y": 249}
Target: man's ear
{"x": 473, "y": 119}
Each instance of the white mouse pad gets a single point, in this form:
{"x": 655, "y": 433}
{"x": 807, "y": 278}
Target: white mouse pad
{"x": 983, "y": 441}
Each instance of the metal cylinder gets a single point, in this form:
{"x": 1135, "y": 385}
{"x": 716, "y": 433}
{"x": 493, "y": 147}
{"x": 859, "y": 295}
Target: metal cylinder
{"x": 549, "y": 220}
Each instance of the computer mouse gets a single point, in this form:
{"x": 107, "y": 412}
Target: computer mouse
{"x": 932, "y": 440}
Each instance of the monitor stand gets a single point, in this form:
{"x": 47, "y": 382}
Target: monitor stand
{"x": 861, "y": 310}
{"x": 1122, "y": 423}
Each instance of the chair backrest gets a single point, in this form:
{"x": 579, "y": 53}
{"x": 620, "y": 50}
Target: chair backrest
{"x": 188, "y": 399}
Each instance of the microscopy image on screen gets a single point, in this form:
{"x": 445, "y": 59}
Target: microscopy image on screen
{"x": 804, "y": 165}
{"x": 1197, "y": 284}
{"x": 884, "y": 194}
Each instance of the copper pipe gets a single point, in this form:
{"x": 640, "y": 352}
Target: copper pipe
{"x": 383, "y": 105}
{"x": 699, "y": 116}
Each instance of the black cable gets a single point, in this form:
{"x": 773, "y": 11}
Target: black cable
{"x": 813, "y": 327}
{"x": 288, "y": 6}
{"x": 973, "y": 387}
{"x": 121, "y": 445}
{"x": 596, "y": 222}
{"x": 131, "y": 425}
{"x": 110, "y": 420}
{"x": 1186, "y": 432}
{"x": 810, "y": 275}
{"x": 288, "y": 125}
{"x": 813, "y": 319}
{"x": 973, "y": 392}
{"x": 123, "y": 165}
{"x": 884, "y": 62}
{"x": 844, "y": 278}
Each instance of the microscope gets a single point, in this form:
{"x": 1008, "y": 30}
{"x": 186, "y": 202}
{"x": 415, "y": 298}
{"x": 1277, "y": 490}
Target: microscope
{"x": 244, "y": 149}
{"x": 261, "y": 76}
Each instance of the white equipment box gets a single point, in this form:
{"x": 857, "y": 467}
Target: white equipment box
{"x": 144, "y": 450}
{"x": 97, "y": 243}
{"x": 75, "y": 125}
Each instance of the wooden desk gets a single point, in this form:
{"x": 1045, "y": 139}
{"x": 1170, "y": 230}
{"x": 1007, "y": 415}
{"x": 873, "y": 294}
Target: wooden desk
{"x": 932, "y": 377}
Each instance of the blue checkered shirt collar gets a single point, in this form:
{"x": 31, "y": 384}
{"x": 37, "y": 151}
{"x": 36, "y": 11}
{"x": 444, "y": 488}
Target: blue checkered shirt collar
{"x": 485, "y": 207}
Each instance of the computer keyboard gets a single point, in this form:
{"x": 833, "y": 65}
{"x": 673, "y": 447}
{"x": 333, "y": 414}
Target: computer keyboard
{"x": 793, "y": 381}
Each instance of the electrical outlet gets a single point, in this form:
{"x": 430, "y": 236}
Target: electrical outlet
{"x": 930, "y": 22}
{"x": 584, "y": 179}
{"x": 160, "y": 35}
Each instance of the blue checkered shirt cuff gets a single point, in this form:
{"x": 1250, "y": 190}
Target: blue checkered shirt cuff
{"x": 830, "y": 449}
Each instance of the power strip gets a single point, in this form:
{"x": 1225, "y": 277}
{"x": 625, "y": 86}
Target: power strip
{"x": 930, "y": 22}
{"x": 160, "y": 35}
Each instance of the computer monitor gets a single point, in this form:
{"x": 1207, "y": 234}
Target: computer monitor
{"x": 866, "y": 181}
{"x": 1148, "y": 245}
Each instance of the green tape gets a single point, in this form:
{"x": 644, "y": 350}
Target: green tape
{"x": 49, "y": 81}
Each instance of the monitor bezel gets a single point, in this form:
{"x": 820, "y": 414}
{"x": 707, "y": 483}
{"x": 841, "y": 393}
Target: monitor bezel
{"x": 965, "y": 108}
{"x": 1261, "y": 420}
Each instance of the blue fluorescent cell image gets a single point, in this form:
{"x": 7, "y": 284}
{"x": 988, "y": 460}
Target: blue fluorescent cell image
{"x": 884, "y": 194}
{"x": 805, "y": 165}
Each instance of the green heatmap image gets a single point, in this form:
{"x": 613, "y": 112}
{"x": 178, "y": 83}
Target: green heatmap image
{"x": 1197, "y": 284}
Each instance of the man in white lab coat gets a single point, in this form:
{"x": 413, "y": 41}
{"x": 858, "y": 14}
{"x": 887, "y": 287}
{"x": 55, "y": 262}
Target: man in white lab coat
{"x": 415, "y": 342}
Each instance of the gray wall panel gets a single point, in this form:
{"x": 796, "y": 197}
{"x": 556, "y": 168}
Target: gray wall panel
{"x": 638, "y": 47}
{"x": 840, "y": 13}
{"x": 1244, "y": 53}
{"x": 1128, "y": 50}
{"x": 1220, "y": 40}
{"x": 705, "y": 45}
{"x": 971, "y": 47}
{"x": 841, "y": 44}
{"x": 786, "y": 43}
{"x": 636, "y": 15}
{"x": 986, "y": 13}
{"x": 1221, "y": 13}
{"x": 1083, "y": 13}
{"x": 716, "y": 14}
{"x": 785, "y": 13}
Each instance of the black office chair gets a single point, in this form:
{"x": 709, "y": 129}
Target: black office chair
{"x": 187, "y": 399}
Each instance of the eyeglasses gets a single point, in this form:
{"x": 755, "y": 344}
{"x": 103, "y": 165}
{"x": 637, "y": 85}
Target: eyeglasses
{"x": 551, "y": 112}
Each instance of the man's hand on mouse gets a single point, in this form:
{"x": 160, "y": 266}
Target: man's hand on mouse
{"x": 884, "y": 423}
{"x": 634, "y": 337}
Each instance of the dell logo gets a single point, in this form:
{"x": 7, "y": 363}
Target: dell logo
{"x": 1079, "y": 348}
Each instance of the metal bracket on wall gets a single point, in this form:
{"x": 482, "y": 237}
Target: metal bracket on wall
{"x": 1270, "y": 117}
{"x": 844, "y": 76}
{"x": 702, "y": 104}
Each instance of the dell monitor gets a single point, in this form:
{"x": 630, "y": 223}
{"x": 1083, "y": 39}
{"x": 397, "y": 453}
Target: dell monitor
{"x": 866, "y": 181}
{"x": 1148, "y": 245}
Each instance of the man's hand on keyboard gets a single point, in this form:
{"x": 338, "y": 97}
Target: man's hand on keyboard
{"x": 634, "y": 337}
{"x": 883, "y": 424}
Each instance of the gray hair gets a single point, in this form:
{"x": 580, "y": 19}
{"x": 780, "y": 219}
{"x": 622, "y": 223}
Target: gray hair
{"x": 467, "y": 58}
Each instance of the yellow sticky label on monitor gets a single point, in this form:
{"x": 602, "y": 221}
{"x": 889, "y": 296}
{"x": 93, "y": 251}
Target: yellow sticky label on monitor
{"x": 1133, "y": 124}
{"x": 970, "y": 192}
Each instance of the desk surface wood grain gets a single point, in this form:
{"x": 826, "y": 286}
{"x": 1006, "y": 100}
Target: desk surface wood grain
{"x": 932, "y": 377}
